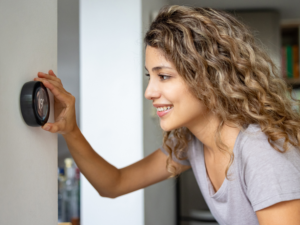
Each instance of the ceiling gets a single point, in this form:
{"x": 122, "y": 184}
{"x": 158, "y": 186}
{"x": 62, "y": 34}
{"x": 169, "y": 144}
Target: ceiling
{"x": 289, "y": 9}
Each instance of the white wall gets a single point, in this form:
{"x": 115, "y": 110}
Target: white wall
{"x": 111, "y": 101}
{"x": 28, "y": 155}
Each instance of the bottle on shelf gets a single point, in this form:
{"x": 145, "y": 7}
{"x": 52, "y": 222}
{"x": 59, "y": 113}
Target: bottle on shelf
{"x": 61, "y": 205}
{"x": 69, "y": 193}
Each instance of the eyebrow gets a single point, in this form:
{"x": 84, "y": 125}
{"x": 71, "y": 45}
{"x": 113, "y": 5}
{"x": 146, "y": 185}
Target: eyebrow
{"x": 159, "y": 68}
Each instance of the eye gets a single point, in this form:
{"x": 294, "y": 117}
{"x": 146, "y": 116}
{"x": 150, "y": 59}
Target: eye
{"x": 164, "y": 77}
{"x": 147, "y": 75}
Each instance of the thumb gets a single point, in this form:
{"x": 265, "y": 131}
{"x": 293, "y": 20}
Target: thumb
{"x": 53, "y": 127}
{"x": 47, "y": 126}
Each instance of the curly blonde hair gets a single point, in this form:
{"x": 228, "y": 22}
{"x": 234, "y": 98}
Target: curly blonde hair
{"x": 228, "y": 71}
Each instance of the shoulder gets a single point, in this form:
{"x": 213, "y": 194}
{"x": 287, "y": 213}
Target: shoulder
{"x": 270, "y": 176}
{"x": 255, "y": 148}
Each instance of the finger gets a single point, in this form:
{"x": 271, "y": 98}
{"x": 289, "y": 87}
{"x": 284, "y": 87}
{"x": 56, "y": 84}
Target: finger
{"x": 50, "y": 72}
{"x": 50, "y": 77}
{"x": 57, "y": 83}
{"x": 54, "y": 88}
{"x": 54, "y": 127}
{"x": 46, "y": 82}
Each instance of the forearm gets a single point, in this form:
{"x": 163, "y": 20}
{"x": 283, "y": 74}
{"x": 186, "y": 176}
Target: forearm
{"x": 103, "y": 176}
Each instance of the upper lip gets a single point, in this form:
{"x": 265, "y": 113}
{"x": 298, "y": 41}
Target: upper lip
{"x": 161, "y": 105}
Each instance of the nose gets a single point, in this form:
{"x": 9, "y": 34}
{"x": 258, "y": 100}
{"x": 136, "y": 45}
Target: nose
{"x": 152, "y": 91}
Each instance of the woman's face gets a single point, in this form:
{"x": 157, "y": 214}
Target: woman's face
{"x": 166, "y": 88}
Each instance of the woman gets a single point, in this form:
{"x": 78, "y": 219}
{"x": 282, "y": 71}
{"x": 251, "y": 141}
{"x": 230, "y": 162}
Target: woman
{"x": 223, "y": 106}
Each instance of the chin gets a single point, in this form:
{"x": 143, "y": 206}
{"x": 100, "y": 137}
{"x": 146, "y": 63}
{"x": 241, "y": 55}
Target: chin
{"x": 168, "y": 126}
{"x": 164, "y": 129}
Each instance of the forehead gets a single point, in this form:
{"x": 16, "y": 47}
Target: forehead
{"x": 156, "y": 56}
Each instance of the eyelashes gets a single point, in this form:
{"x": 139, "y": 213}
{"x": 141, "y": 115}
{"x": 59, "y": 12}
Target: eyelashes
{"x": 162, "y": 77}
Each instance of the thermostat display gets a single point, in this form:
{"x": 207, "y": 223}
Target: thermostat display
{"x": 35, "y": 105}
{"x": 41, "y": 103}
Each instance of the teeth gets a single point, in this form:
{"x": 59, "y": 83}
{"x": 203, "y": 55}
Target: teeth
{"x": 160, "y": 109}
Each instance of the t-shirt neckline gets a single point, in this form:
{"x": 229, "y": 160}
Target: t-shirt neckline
{"x": 208, "y": 184}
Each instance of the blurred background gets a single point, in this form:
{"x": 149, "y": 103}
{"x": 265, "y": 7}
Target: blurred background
{"x": 101, "y": 61}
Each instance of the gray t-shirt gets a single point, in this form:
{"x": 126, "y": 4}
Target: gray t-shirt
{"x": 259, "y": 177}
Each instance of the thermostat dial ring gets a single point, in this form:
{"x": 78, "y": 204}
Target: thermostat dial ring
{"x": 35, "y": 104}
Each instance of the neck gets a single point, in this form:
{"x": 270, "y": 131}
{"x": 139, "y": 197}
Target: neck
{"x": 204, "y": 130}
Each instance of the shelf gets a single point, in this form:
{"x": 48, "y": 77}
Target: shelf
{"x": 290, "y": 36}
{"x": 294, "y": 82}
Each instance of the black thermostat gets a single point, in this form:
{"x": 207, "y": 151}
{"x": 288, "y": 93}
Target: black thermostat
{"x": 35, "y": 104}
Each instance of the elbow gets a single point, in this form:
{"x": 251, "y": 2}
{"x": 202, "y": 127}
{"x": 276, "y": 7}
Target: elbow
{"x": 112, "y": 197}
{"x": 108, "y": 195}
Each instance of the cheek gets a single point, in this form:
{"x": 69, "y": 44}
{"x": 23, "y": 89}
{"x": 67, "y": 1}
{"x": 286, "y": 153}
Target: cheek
{"x": 186, "y": 106}
{"x": 176, "y": 93}
{"x": 190, "y": 107}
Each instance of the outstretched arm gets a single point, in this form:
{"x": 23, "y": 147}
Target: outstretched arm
{"x": 110, "y": 181}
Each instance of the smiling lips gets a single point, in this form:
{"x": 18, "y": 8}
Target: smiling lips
{"x": 163, "y": 109}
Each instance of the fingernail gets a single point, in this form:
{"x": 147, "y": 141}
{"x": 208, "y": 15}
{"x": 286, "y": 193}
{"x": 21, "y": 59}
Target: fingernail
{"x": 46, "y": 128}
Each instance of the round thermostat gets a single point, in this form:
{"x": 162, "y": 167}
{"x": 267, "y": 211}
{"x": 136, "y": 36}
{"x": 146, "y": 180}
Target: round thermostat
{"x": 35, "y": 104}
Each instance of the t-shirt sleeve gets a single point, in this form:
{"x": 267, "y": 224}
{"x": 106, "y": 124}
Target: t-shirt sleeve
{"x": 185, "y": 162}
{"x": 270, "y": 176}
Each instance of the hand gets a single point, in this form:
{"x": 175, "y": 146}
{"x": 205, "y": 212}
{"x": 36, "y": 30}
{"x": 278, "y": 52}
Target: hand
{"x": 64, "y": 105}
